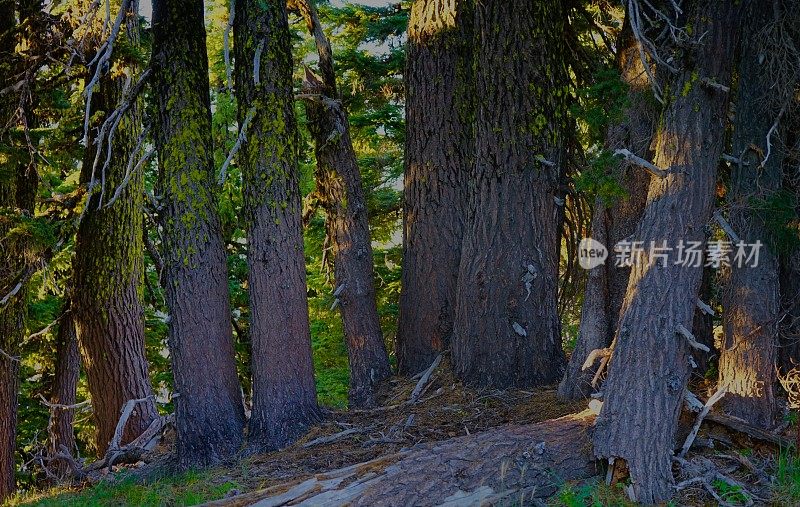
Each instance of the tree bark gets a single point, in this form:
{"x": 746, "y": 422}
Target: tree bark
{"x": 507, "y": 328}
{"x": 284, "y": 392}
{"x": 507, "y": 465}
{"x": 341, "y": 195}
{"x": 649, "y": 367}
{"x": 748, "y": 357}
{"x": 209, "y": 410}
{"x": 61, "y": 433}
{"x": 614, "y": 222}
{"x": 438, "y": 163}
{"x": 18, "y": 184}
{"x": 109, "y": 265}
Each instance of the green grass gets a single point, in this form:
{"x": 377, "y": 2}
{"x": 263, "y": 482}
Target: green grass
{"x": 787, "y": 482}
{"x": 189, "y": 488}
{"x": 594, "y": 494}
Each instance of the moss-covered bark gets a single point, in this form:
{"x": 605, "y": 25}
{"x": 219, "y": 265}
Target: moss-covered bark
{"x": 208, "y": 406}
{"x": 507, "y": 328}
{"x": 109, "y": 265}
{"x": 284, "y": 392}
{"x": 438, "y": 163}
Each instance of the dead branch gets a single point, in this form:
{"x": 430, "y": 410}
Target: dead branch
{"x": 681, "y": 329}
{"x": 637, "y": 160}
{"x": 726, "y": 227}
{"x": 423, "y": 382}
{"x": 703, "y": 413}
{"x": 239, "y": 140}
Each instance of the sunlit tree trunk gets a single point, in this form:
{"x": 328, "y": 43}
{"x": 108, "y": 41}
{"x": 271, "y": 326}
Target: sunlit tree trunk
{"x": 284, "y": 395}
{"x": 341, "y": 195}
{"x": 208, "y": 408}
{"x": 614, "y": 222}
{"x": 649, "y": 368}
{"x": 507, "y": 328}
{"x": 439, "y": 160}
{"x": 61, "y": 432}
{"x": 109, "y": 264}
{"x": 751, "y": 299}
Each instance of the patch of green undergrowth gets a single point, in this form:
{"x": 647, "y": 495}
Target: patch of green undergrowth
{"x": 189, "y": 488}
{"x": 591, "y": 495}
{"x": 787, "y": 478}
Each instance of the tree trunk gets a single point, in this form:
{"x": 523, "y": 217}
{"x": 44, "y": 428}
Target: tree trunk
{"x": 342, "y": 197}
{"x": 18, "y": 183}
{"x": 60, "y": 431}
{"x": 109, "y": 266}
{"x": 614, "y": 222}
{"x": 439, "y": 159}
{"x": 748, "y": 355}
{"x": 507, "y": 328}
{"x": 649, "y": 367}
{"x": 514, "y": 465}
{"x": 209, "y": 410}
{"x": 284, "y": 392}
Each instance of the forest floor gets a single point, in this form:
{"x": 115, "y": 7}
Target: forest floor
{"x": 738, "y": 470}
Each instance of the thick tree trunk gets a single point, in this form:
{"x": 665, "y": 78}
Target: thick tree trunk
{"x": 507, "y": 328}
{"x": 208, "y": 408}
{"x": 516, "y": 465}
{"x": 748, "y": 355}
{"x": 284, "y": 393}
{"x": 61, "y": 433}
{"x": 614, "y": 222}
{"x": 109, "y": 268}
{"x": 342, "y": 197}
{"x": 649, "y": 367}
{"x": 439, "y": 159}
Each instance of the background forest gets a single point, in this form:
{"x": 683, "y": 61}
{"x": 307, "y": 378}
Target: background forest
{"x": 420, "y": 174}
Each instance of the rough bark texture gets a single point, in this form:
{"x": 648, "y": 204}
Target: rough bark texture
{"x": 649, "y": 368}
{"x": 61, "y": 433}
{"x": 439, "y": 157}
{"x": 109, "y": 267}
{"x": 606, "y": 284}
{"x": 513, "y": 465}
{"x": 341, "y": 195}
{"x": 209, "y": 410}
{"x": 751, "y": 301}
{"x": 507, "y": 328}
{"x": 18, "y": 182}
{"x": 284, "y": 394}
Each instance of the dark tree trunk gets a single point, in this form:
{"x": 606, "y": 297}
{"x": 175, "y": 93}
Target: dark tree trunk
{"x": 18, "y": 183}
{"x": 789, "y": 351}
{"x": 342, "y": 197}
{"x": 109, "y": 268}
{"x": 649, "y": 367}
{"x": 284, "y": 393}
{"x": 507, "y": 328}
{"x": 703, "y": 326}
{"x": 60, "y": 431}
{"x": 209, "y": 410}
{"x": 748, "y": 355}
{"x": 614, "y": 222}
{"x": 439, "y": 159}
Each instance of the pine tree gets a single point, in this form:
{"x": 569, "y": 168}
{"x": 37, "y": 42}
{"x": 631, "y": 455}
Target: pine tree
{"x": 208, "y": 404}
{"x": 284, "y": 393}
{"x": 439, "y": 156}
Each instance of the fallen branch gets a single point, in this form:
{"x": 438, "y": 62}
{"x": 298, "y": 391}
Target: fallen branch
{"x": 420, "y": 387}
{"x": 703, "y": 413}
{"x": 336, "y": 436}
